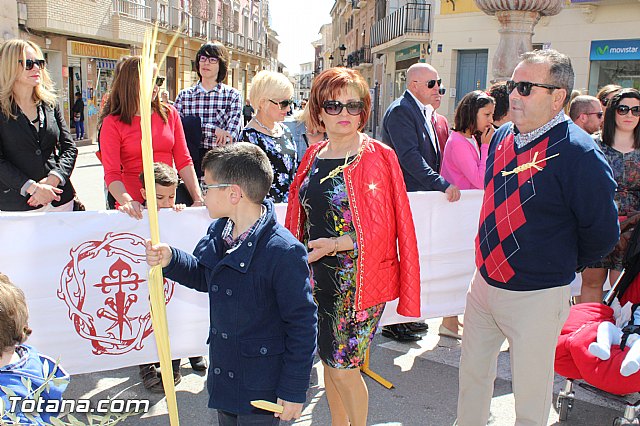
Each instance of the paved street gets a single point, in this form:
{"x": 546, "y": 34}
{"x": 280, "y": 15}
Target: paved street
{"x": 425, "y": 374}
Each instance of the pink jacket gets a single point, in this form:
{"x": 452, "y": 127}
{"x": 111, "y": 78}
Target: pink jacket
{"x": 461, "y": 165}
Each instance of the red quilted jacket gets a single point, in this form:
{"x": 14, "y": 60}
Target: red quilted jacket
{"x": 388, "y": 264}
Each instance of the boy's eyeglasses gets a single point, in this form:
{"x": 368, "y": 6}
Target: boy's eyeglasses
{"x": 159, "y": 81}
{"x": 524, "y": 87}
{"x": 29, "y": 63}
{"x": 336, "y": 107}
{"x": 210, "y": 59}
{"x": 282, "y": 104}
{"x": 431, "y": 83}
{"x": 624, "y": 110}
{"x": 598, "y": 113}
{"x": 205, "y": 188}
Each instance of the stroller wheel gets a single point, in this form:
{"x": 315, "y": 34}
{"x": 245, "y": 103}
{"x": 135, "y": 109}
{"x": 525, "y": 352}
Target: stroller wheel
{"x": 564, "y": 405}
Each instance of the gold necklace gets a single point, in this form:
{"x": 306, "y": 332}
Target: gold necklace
{"x": 335, "y": 172}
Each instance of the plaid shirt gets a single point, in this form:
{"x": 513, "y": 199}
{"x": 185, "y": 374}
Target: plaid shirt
{"x": 227, "y": 232}
{"x": 220, "y": 107}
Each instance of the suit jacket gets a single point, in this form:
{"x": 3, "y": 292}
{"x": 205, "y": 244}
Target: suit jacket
{"x": 405, "y": 130}
{"x": 24, "y": 157}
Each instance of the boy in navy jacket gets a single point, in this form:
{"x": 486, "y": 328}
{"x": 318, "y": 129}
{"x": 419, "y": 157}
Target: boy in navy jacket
{"x": 263, "y": 317}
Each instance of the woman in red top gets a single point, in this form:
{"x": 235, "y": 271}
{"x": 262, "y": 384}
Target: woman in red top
{"x": 349, "y": 204}
{"x": 121, "y": 135}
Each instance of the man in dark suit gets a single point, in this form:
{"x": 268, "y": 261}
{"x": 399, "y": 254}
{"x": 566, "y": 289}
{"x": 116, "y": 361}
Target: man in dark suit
{"x": 410, "y": 126}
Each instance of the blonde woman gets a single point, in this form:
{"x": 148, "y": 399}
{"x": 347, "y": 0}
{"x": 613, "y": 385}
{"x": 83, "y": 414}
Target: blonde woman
{"x": 37, "y": 153}
{"x": 271, "y": 94}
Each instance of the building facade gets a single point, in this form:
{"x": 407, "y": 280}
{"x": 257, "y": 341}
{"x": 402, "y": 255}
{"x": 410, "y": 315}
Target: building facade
{"x": 83, "y": 39}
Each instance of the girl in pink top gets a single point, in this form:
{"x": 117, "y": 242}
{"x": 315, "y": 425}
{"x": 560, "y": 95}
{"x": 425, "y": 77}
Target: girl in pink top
{"x": 464, "y": 161}
{"x": 465, "y": 154}
{"x": 120, "y": 141}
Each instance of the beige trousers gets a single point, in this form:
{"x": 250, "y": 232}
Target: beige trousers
{"x": 531, "y": 321}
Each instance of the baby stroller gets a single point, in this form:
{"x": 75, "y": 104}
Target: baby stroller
{"x": 573, "y": 359}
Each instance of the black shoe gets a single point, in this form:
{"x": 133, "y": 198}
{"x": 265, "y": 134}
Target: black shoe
{"x": 417, "y": 327}
{"x": 198, "y": 363}
{"x": 150, "y": 378}
{"x": 400, "y": 333}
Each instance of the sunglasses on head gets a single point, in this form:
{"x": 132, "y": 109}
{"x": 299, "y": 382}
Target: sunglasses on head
{"x": 29, "y": 63}
{"x": 431, "y": 83}
{"x": 624, "y": 110}
{"x": 282, "y": 104}
{"x": 524, "y": 87}
{"x": 210, "y": 59}
{"x": 598, "y": 113}
{"x": 336, "y": 107}
{"x": 159, "y": 81}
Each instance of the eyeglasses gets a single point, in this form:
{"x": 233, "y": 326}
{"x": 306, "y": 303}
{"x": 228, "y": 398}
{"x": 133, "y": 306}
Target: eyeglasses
{"x": 205, "y": 188}
{"x": 335, "y": 107}
{"x": 31, "y": 62}
{"x": 282, "y": 104}
{"x": 524, "y": 87}
{"x": 624, "y": 110}
{"x": 431, "y": 83}
{"x": 210, "y": 59}
{"x": 159, "y": 81}
{"x": 598, "y": 113}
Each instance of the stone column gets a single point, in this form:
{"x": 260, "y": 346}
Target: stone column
{"x": 517, "y": 20}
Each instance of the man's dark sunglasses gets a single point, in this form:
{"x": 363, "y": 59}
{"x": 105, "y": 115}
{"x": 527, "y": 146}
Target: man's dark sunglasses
{"x": 624, "y": 110}
{"x": 159, "y": 81}
{"x": 29, "y": 63}
{"x": 524, "y": 87}
{"x": 282, "y": 104}
{"x": 598, "y": 113}
{"x": 431, "y": 83}
{"x": 336, "y": 107}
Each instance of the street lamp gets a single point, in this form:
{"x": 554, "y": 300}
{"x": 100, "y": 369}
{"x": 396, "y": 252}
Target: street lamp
{"x": 343, "y": 50}
{"x": 331, "y": 60}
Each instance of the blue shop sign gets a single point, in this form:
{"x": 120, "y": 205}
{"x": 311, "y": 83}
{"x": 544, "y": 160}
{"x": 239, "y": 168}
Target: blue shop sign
{"x": 615, "y": 50}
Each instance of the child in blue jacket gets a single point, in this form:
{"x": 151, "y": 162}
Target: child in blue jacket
{"x": 263, "y": 318}
{"x": 24, "y": 373}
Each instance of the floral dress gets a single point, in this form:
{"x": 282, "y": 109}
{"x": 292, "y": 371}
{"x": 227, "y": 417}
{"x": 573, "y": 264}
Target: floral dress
{"x": 626, "y": 172}
{"x": 283, "y": 156}
{"x": 344, "y": 334}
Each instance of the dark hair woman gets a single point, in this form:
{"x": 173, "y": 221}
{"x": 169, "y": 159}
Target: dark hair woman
{"x": 120, "y": 138}
{"x": 37, "y": 154}
{"x": 621, "y": 146}
{"x": 348, "y": 202}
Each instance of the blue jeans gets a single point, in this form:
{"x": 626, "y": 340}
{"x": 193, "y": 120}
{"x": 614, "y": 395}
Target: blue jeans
{"x": 229, "y": 419}
{"x": 79, "y": 129}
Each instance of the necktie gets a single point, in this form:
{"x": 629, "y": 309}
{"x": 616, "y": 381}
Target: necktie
{"x": 436, "y": 144}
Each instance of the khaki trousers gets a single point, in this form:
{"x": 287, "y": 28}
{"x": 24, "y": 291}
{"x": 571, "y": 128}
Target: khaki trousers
{"x": 531, "y": 321}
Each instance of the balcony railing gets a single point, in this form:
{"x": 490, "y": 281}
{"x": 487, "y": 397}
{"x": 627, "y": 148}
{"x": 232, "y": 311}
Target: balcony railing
{"x": 359, "y": 57}
{"x": 200, "y": 28}
{"x": 159, "y": 13}
{"x": 249, "y": 45}
{"x": 179, "y": 19}
{"x": 258, "y": 48}
{"x": 412, "y": 18}
{"x": 132, "y": 9}
{"x": 228, "y": 38}
{"x": 240, "y": 41}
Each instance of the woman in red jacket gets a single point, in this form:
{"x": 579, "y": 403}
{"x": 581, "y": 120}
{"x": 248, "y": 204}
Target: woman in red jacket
{"x": 121, "y": 135}
{"x": 349, "y": 204}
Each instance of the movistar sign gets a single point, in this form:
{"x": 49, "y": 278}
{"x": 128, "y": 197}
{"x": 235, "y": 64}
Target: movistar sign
{"x": 615, "y": 50}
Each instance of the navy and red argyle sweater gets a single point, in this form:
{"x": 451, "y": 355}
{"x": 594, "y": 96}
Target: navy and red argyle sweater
{"x": 539, "y": 225}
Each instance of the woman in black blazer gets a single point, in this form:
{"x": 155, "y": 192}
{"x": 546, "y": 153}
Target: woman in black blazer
{"x": 37, "y": 154}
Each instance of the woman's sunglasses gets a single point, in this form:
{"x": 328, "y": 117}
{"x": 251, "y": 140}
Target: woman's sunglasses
{"x": 282, "y": 104}
{"x": 335, "y": 107}
{"x": 624, "y": 110}
{"x": 159, "y": 81}
{"x": 524, "y": 87}
{"x": 29, "y": 63}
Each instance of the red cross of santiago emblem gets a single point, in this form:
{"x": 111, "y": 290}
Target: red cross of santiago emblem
{"x": 110, "y": 308}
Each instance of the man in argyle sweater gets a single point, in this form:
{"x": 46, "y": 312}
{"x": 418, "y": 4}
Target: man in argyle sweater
{"x": 547, "y": 210}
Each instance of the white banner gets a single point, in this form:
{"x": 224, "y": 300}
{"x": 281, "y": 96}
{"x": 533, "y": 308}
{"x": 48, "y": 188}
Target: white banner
{"x": 84, "y": 276}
